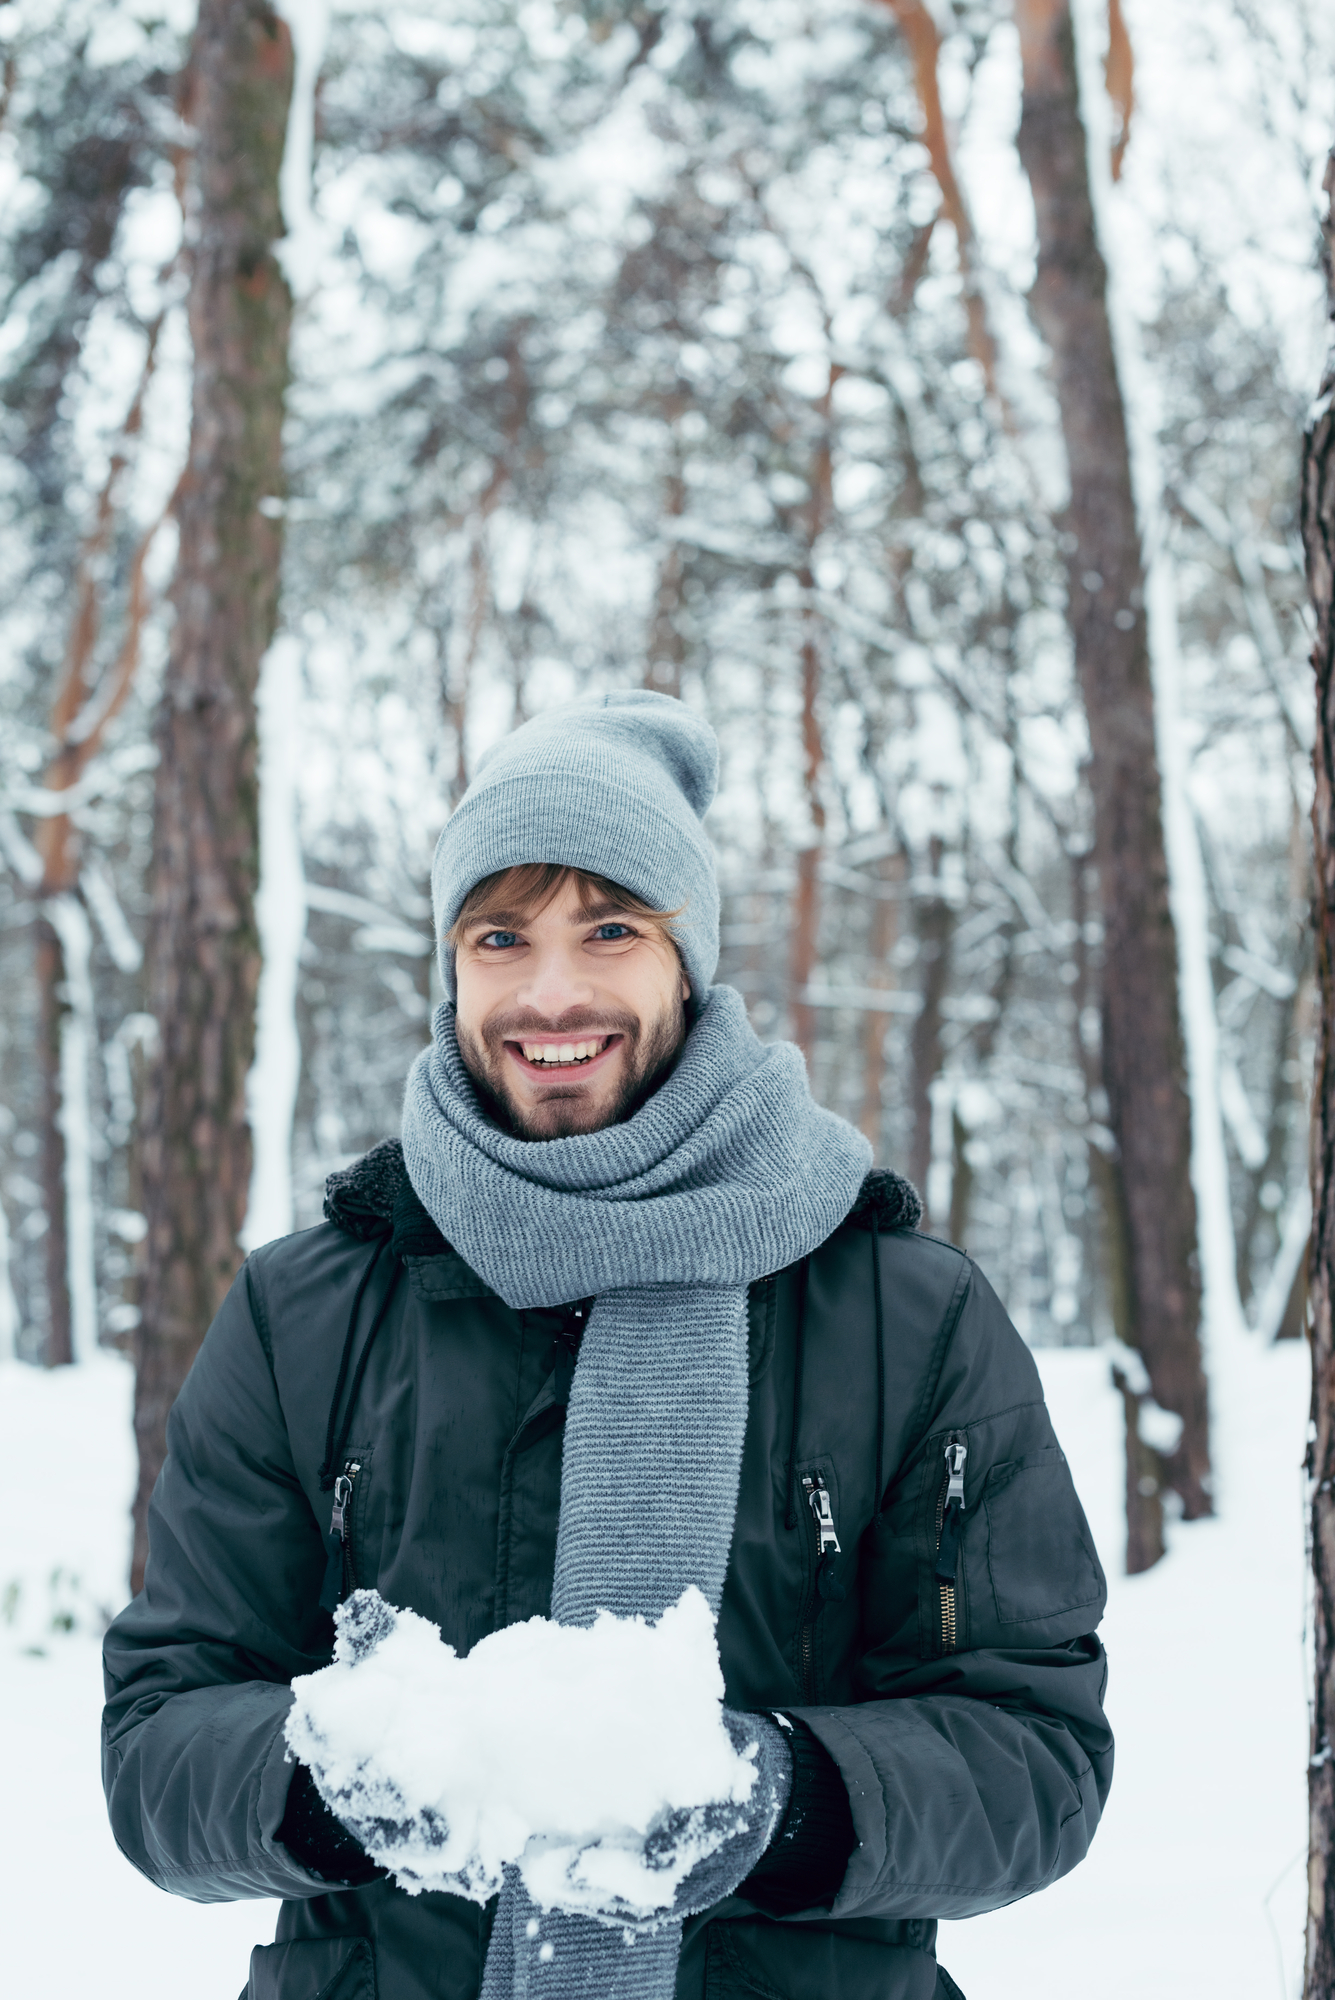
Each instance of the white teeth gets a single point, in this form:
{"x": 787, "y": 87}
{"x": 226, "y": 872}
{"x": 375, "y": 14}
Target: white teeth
{"x": 563, "y": 1052}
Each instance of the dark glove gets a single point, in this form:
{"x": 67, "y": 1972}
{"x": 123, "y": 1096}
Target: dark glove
{"x": 318, "y": 1841}
{"x": 749, "y": 1828}
{"x": 804, "y": 1865}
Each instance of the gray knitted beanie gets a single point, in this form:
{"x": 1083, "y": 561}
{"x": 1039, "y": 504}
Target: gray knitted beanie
{"x": 617, "y": 784}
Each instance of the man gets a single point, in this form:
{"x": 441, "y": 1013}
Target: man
{"x": 624, "y": 1313}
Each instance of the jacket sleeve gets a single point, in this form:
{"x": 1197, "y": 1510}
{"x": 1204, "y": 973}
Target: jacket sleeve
{"x": 976, "y": 1773}
{"x": 197, "y": 1667}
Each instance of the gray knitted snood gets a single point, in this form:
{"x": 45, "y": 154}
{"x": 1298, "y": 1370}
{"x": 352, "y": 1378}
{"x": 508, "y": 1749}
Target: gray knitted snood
{"x": 729, "y": 1172}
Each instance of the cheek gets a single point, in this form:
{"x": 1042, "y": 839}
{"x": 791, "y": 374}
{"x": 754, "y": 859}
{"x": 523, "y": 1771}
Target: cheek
{"x": 653, "y": 987}
{"x": 472, "y": 998}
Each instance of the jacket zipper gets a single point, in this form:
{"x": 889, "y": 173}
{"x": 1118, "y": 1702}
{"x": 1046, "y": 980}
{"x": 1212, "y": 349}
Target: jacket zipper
{"x": 341, "y": 1570}
{"x": 949, "y": 1527}
{"x": 565, "y": 1352}
{"x": 827, "y": 1582}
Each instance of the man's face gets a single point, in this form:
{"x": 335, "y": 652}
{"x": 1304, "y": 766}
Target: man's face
{"x": 567, "y": 1019}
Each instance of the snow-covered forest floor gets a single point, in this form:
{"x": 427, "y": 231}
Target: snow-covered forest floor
{"x": 1195, "y": 1884}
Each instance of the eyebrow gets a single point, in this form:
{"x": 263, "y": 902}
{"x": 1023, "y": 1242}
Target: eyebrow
{"x": 513, "y": 920}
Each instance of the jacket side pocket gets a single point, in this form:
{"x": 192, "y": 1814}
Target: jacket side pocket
{"x": 334, "y": 1968}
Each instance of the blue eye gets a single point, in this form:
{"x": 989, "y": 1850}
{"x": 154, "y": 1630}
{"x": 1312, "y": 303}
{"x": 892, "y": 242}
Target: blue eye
{"x": 500, "y": 940}
{"x": 612, "y": 932}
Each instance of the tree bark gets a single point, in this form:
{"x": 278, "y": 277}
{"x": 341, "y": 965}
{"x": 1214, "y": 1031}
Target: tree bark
{"x": 204, "y": 956}
{"x": 1111, "y": 1241}
{"x": 935, "y": 925}
{"x": 883, "y": 929}
{"x": 805, "y": 946}
{"x": 1143, "y": 1057}
{"x": 81, "y": 709}
{"x": 1144, "y": 1486}
{"x": 917, "y": 24}
{"x": 1318, "y": 526}
{"x": 667, "y": 644}
{"x": 806, "y": 899}
{"x": 51, "y": 1011}
{"x": 1119, "y": 75}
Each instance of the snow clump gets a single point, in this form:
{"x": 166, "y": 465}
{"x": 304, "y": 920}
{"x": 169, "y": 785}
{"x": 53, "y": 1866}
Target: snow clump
{"x": 595, "y": 1757}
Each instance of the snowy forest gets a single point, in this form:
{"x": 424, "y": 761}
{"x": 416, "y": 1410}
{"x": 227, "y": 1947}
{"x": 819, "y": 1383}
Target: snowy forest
{"x": 917, "y": 388}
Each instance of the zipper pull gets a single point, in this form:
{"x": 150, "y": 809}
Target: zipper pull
{"x": 952, "y": 1518}
{"x": 565, "y": 1351}
{"x": 336, "y": 1540}
{"x": 818, "y": 1499}
{"x": 342, "y": 1495}
{"x": 827, "y": 1541}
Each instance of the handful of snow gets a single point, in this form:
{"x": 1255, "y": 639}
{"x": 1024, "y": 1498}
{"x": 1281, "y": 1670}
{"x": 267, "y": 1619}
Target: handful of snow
{"x": 595, "y": 1757}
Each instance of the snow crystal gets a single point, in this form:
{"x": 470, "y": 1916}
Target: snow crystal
{"x": 596, "y": 1758}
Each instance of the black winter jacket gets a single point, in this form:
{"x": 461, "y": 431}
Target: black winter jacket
{"x": 966, "y": 1718}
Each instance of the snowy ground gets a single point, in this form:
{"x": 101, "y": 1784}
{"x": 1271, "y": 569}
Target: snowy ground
{"x": 1195, "y": 1885}
{"x": 79, "y": 1919}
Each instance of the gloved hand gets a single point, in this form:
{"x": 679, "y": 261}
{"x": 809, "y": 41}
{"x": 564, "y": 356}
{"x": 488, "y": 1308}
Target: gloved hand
{"x": 728, "y": 1840}
{"x": 318, "y": 1841}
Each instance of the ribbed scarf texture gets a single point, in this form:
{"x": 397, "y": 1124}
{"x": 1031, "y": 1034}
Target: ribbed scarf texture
{"x": 729, "y": 1172}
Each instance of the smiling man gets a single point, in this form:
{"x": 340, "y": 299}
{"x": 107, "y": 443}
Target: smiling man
{"x": 624, "y": 1313}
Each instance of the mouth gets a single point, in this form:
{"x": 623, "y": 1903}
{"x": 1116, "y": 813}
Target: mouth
{"x": 550, "y": 1056}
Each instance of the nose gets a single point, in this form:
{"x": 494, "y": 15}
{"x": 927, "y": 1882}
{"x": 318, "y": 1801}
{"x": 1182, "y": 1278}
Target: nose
{"x": 555, "y": 981}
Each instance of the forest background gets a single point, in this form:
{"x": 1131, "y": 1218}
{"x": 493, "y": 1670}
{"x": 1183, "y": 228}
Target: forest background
{"x": 699, "y": 348}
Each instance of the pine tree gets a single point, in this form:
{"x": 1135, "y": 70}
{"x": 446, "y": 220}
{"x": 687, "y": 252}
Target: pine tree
{"x": 203, "y": 945}
{"x": 1318, "y": 522}
{"x": 1150, "y": 1195}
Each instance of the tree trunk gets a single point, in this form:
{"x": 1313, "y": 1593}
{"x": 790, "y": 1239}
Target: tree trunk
{"x": 203, "y": 946}
{"x": 806, "y": 902}
{"x": 50, "y": 965}
{"x": 667, "y": 644}
{"x": 58, "y": 843}
{"x": 1318, "y": 524}
{"x": 1143, "y": 1060}
{"x": 81, "y": 709}
{"x": 936, "y": 924}
{"x": 1144, "y": 1471}
{"x": 1144, "y": 1486}
{"x": 883, "y": 927}
{"x": 917, "y": 24}
{"x": 961, "y": 1181}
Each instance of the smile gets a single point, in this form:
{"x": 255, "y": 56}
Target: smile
{"x": 574, "y": 1054}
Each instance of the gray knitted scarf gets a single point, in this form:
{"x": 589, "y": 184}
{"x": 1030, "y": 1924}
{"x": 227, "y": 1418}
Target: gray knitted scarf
{"x": 729, "y": 1172}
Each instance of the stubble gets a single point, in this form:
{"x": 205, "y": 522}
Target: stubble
{"x": 568, "y": 1107}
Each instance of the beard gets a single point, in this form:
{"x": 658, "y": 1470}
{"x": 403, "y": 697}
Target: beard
{"x": 570, "y": 1106}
